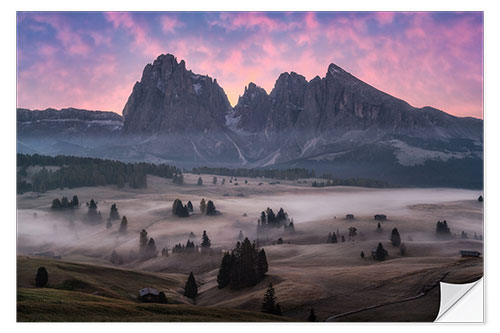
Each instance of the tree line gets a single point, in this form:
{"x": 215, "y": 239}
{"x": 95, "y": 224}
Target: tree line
{"x": 86, "y": 171}
{"x": 362, "y": 182}
{"x": 285, "y": 174}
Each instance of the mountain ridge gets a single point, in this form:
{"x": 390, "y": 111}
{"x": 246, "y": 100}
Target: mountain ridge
{"x": 335, "y": 124}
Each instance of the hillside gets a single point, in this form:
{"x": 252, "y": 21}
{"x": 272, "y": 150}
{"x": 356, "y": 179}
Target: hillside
{"x": 84, "y": 292}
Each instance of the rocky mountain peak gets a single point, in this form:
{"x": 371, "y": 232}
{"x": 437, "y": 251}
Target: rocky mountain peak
{"x": 169, "y": 98}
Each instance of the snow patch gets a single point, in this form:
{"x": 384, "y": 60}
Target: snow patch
{"x": 328, "y": 157}
{"x": 273, "y": 159}
{"x": 242, "y": 158}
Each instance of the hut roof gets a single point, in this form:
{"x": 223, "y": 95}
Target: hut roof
{"x": 148, "y": 290}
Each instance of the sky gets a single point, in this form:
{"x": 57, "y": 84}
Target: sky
{"x": 92, "y": 60}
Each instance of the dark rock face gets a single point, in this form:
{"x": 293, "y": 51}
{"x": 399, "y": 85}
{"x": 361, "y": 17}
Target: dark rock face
{"x": 253, "y": 109}
{"x": 170, "y": 99}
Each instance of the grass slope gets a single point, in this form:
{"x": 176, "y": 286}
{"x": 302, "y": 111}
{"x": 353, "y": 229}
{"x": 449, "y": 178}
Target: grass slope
{"x": 90, "y": 293}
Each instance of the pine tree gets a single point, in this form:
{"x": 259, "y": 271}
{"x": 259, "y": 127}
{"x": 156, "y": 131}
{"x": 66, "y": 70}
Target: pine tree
{"x": 65, "y": 203}
{"x": 381, "y": 253}
{"x": 480, "y": 199}
{"x": 205, "y": 241}
{"x": 109, "y": 225}
{"x": 210, "y": 210}
{"x": 56, "y": 204}
{"x": 402, "y": 249}
{"x": 395, "y": 237}
{"x": 74, "y": 201}
{"x": 42, "y": 277}
{"x": 343, "y": 239}
{"x": 151, "y": 248}
{"x": 379, "y": 227}
{"x": 113, "y": 214}
{"x": 200, "y": 181}
{"x": 190, "y": 206}
{"x": 262, "y": 266}
{"x": 203, "y": 206}
{"x": 143, "y": 240}
{"x": 214, "y": 180}
{"x": 225, "y": 268}
{"x": 268, "y": 304}
{"x": 362, "y": 254}
{"x": 334, "y": 238}
{"x": 312, "y": 316}
{"x": 191, "y": 288}
{"x": 263, "y": 219}
{"x": 123, "y": 225}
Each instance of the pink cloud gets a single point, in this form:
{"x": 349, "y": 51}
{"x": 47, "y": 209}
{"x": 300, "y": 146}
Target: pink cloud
{"x": 170, "y": 23}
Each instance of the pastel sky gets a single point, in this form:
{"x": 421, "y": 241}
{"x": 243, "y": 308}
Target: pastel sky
{"x": 91, "y": 60}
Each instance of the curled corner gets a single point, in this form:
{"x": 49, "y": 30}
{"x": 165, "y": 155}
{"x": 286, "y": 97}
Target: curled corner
{"x": 460, "y": 303}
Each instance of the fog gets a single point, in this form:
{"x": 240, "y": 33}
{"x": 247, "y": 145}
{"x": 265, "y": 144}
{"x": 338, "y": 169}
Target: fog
{"x": 316, "y": 212}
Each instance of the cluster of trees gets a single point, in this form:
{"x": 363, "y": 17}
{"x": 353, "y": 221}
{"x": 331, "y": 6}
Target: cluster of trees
{"x": 147, "y": 246}
{"x": 442, "y": 229}
{"x": 93, "y": 216}
{"x": 181, "y": 210}
{"x": 363, "y": 182}
{"x": 269, "y": 304}
{"x": 85, "y": 171}
{"x": 269, "y": 219}
{"x": 244, "y": 266}
{"x": 288, "y": 174}
{"x": 207, "y": 207}
{"x": 178, "y": 179}
{"x": 64, "y": 203}
{"x": 42, "y": 277}
{"x": 190, "y": 247}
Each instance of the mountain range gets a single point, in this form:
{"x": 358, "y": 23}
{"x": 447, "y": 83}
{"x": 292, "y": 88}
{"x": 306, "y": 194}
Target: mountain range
{"x": 336, "y": 124}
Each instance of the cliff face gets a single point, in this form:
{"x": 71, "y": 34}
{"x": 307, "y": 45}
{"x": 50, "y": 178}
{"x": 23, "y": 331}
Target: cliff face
{"x": 171, "y": 99}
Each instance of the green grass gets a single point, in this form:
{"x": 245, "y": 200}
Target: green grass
{"x": 90, "y": 293}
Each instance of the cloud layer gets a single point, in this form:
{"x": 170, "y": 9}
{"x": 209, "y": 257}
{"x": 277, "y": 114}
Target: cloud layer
{"x": 92, "y": 60}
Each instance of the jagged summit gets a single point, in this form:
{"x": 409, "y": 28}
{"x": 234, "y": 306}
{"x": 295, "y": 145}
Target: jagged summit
{"x": 169, "y": 99}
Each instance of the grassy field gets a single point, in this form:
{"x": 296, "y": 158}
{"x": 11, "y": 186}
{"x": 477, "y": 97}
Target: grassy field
{"x": 91, "y": 293}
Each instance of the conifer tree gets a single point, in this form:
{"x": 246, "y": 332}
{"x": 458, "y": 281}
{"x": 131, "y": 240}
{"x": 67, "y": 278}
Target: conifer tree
{"x": 190, "y": 206}
{"x": 191, "y": 288}
{"x": 200, "y": 181}
{"x": 210, "y": 209}
{"x": 334, "y": 238}
{"x": 109, "y": 224}
{"x": 381, "y": 253}
{"x": 312, "y": 316}
{"x": 205, "y": 241}
{"x": 225, "y": 268}
{"x": 42, "y": 277}
{"x": 379, "y": 227}
{"x": 268, "y": 304}
{"x": 65, "y": 203}
{"x": 123, "y": 225}
{"x": 263, "y": 219}
{"x": 143, "y": 240}
{"x": 74, "y": 201}
{"x": 362, "y": 254}
{"x": 113, "y": 214}
{"x": 151, "y": 248}
{"x": 395, "y": 237}
{"x": 203, "y": 206}
{"x": 262, "y": 266}
{"x": 56, "y": 204}
{"x": 214, "y": 180}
